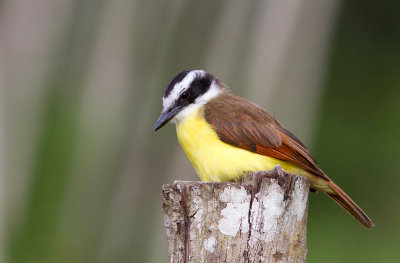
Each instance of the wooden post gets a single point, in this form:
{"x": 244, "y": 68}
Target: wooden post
{"x": 263, "y": 218}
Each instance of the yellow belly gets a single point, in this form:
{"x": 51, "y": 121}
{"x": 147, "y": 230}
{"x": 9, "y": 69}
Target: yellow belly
{"x": 217, "y": 161}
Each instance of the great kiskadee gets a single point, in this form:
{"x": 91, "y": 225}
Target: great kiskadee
{"x": 225, "y": 137}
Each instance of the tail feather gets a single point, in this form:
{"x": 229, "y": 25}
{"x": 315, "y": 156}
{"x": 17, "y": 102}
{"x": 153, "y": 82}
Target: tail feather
{"x": 349, "y": 205}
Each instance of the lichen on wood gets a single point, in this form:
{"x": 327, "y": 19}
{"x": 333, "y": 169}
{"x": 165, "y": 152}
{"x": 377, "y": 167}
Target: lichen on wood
{"x": 263, "y": 218}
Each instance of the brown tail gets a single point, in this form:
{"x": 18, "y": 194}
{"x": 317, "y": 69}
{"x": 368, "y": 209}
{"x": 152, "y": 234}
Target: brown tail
{"x": 350, "y": 206}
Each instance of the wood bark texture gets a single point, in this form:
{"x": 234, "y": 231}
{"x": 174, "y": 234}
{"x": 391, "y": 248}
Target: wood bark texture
{"x": 263, "y": 218}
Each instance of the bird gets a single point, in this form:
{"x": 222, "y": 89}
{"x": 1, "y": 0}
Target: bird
{"x": 225, "y": 137}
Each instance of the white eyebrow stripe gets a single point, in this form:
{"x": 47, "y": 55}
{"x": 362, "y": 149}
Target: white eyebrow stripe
{"x": 180, "y": 87}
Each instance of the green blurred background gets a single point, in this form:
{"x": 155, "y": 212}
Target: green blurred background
{"x": 81, "y": 85}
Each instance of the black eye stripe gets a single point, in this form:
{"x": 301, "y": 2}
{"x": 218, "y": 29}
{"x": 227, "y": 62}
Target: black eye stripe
{"x": 200, "y": 85}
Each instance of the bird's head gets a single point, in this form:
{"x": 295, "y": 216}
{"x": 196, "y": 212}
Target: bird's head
{"x": 186, "y": 92}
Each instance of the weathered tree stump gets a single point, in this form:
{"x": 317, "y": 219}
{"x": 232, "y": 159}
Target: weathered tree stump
{"x": 263, "y": 218}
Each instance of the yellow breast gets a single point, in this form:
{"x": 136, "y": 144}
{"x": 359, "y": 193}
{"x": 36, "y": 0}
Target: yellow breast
{"x": 215, "y": 160}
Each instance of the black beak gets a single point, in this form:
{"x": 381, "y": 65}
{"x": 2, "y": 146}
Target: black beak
{"x": 165, "y": 117}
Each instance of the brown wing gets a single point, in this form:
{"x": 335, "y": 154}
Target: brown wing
{"x": 243, "y": 124}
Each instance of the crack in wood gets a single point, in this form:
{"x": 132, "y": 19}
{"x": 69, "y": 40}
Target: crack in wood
{"x": 185, "y": 206}
{"x": 268, "y": 199}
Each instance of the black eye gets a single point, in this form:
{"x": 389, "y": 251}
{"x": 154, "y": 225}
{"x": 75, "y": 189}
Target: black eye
{"x": 185, "y": 95}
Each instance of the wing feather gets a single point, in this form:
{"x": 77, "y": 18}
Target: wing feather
{"x": 243, "y": 124}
